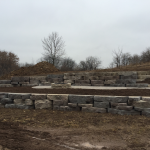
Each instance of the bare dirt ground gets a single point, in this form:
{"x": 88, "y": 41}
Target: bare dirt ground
{"x": 118, "y": 92}
{"x": 58, "y": 130}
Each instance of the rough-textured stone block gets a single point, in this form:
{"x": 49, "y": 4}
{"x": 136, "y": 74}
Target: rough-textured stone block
{"x": 94, "y": 109}
{"x": 72, "y": 104}
{"x": 109, "y": 81}
{"x": 103, "y": 98}
{"x": 56, "y": 80}
{"x": 58, "y": 97}
{"x": 43, "y": 104}
{"x": 101, "y": 77}
{"x": 133, "y": 99}
{"x": 112, "y": 111}
{"x": 114, "y": 105}
{"x": 93, "y": 78}
{"x": 81, "y": 99}
{"x": 85, "y": 105}
{"x": 4, "y": 101}
{"x": 35, "y": 84}
{"x": 5, "y": 81}
{"x": 82, "y": 81}
{"x": 131, "y": 112}
{"x": 6, "y": 85}
{"x": 19, "y": 106}
{"x": 37, "y": 79}
{"x": 50, "y": 76}
{"x": 14, "y": 83}
{"x": 60, "y": 86}
{"x": 137, "y": 85}
{"x": 3, "y": 95}
{"x": 59, "y": 103}
{"x": 97, "y": 82}
{"x": 38, "y": 96}
{"x": 82, "y": 84}
{"x": 69, "y": 81}
{"x": 127, "y": 73}
{"x": 128, "y": 108}
{"x": 23, "y": 82}
{"x": 56, "y": 107}
{"x": 143, "y": 76}
{"x": 28, "y": 102}
{"x": 67, "y": 108}
{"x": 143, "y": 72}
{"x": 69, "y": 77}
{"x": 129, "y": 77}
{"x": 19, "y": 101}
{"x": 126, "y": 81}
{"x": 145, "y": 98}
{"x": 142, "y": 104}
{"x": 25, "y": 96}
{"x": 45, "y": 83}
{"x": 120, "y": 99}
{"x": 108, "y": 77}
{"x": 141, "y": 109}
{"x": 14, "y": 96}
{"x": 101, "y": 104}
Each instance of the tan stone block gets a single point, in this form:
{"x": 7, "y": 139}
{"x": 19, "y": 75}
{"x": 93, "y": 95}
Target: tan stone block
{"x": 38, "y": 96}
{"x": 19, "y": 101}
{"x": 60, "y": 86}
{"x": 43, "y": 104}
{"x": 28, "y": 102}
{"x": 142, "y": 104}
{"x": 85, "y": 105}
{"x": 110, "y": 82}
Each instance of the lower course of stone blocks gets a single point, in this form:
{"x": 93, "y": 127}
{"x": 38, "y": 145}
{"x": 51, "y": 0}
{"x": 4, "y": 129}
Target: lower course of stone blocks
{"x": 122, "y": 105}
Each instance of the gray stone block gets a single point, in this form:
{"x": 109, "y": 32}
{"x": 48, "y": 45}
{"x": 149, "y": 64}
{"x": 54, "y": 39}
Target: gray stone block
{"x": 82, "y": 81}
{"x": 5, "y": 81}
{"x": 55, "y": 107}
{"x": 81, "y": 99}
{"x": 25, "y": 96}
{"x": 20, "y": 79}
{"x": 145, "y": 98}
{"x": 103, "y": 98}
{"x": 117, "y": 85}
{"x": 69, "y": 81}
{"x": 14, "y": 83}
{"x": 82, "y": 84}
{"x": 124, "y": 112}
{"x": 23, "y": 83}
{"x": 109, "y": 81}
{"x": 60, "y": 97}
{"x": 94, "y": 109}
{"x": 6, "y": 101}
{"x": 141, "y": 109}
{"x": 67, "y": 108}
{"x": 38, "y": 96}
{"x": 85, "y": 105}
{"x": 129, "y": 77}
{"x": 59, "y": 103}
{"x": 2, "y": 106}
{"x": 35, "y": 84}
{"x": 18, "y": 106}
{"x": 6, "y": 85}
{"x": 3, "y": 95}
{"x": 28, "y": 102}
{"x": 127, "y": 108}
{"x": 126, "y": 81}
{"x": 112, "y": 111}
{"x": 56, "y": 80}
{"x": 142, "y": 104}
{"x": 120, "y": 99}
{"x": 43, "y": 104}
{"x": 146, "y": 113}
{"x": 19, "y": 101}
{"x": 54, "y": 76}
{"x": 101, "y": 104}
{"x": 114, "y": 105}
{"x": 14, "y": 96}
{"x": 133, "y": 99}
{"x": 72, "y": 104}
{"x": 97, "y": 82}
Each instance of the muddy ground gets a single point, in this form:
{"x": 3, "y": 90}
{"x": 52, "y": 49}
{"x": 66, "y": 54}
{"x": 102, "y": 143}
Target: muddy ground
{"x": 118, "y": 92}
{"x": 58, "y": 130}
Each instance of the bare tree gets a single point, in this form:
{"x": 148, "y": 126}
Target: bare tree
{"x": 67, "y": 64}
{"x": 91, "y": 63}
{"x": 125, "y": 59}
{"x": 145, "y": 56}
{"x": 8, "y": 62}
{"x": 117, "y": 57}
{"x": 135, "y": 59}
{"x": 54, "y": 48}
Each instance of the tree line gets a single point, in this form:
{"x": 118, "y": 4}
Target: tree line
{"x": 54, "y": 53}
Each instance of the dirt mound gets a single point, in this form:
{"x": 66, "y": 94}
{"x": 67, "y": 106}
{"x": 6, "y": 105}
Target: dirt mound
{"x": 38, "y": 69}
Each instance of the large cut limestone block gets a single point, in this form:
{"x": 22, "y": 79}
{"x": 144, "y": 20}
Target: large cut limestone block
{"x": 6, "y": 85}
{"x": 142, "y": 104}
{"x": 5, "y": 81}
{"x": 20, "y": 79}
{"x": 6, "y": 101}
{"x": 126, "y": 81}
{"x": 72, "y": 104}
{"x": 120, "y": 99}
{"x": 14, "y": 95}
{"x": 128, "y": 108}
{"x": 101, "y": 104}
{"x": 69, "y": 81}
{"x": 14, "y": 83}
{"x": 83, "y": 84}
{"x": 56, "y": 80}
{"x": 97, "y": 82}
{"x": 117, "y": 85}
{"x": 38, "y": 96}
{"x": 23, "y": 83}
{"x": 60, "y": 86}
{"x": 58, "y": 97}
{"x": 3, "y": 95}
{"x": 103, "y": 98}
{"x": 114, "y": 105}
{"x": 129, "y": 77}
{"x": 2, "y": 106}
{"x": 35, "y": 84}
{"x": 67, "y": 108}
{"x": 19, "y": 106}
{"x": 101, "y": 77}
{"x": 81, "y": 99}
{"x": 69, "y": 77}
{"x": 143, "y": 76}
{"x": 109, "y": 81}
{"x": 94, "y": 109}
{"x": 43, "y": 104}
{"x": 143, "y": 72}
{"x": 28, "y": 102}
{"x": 19, "y": 101}
{"x": 85, "y": 105}
{"x": 56, "y": 107}
{"x": 108, "y": 77}
{"x": 145, "y": 98}
{"x": 82, "y": 81}
{"x": 127, "y": 73}
{"x": 93, "y": 78}
{"x": 137, "y": 85}
{"x": 37, "y": 79}
{"x": 51, "y": 76}
{"x": 133, "y": 99}
{"x": 25, "y": 96}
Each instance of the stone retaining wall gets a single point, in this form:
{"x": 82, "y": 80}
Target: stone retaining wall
{"x": 123, "y": 105}
{"x": 119, "y": 79}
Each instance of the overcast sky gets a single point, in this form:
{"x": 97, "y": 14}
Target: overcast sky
{"x": 88, "y": 27}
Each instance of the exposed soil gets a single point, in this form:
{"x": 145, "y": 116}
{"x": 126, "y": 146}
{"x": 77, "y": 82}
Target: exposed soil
{"x": 57, "y": 130}
{"x": 118, "y": 92}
